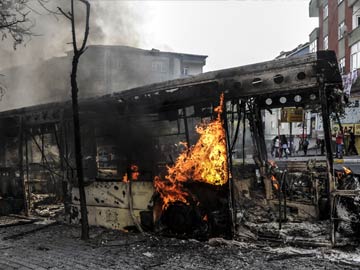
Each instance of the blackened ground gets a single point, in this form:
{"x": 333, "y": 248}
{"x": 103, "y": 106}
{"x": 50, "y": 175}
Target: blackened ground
{"x": 59, "y": 247}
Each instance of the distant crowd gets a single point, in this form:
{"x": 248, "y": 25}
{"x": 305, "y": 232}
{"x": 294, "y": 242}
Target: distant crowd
{"x": 282, "y": 148}
{"x": 339, "y": 140}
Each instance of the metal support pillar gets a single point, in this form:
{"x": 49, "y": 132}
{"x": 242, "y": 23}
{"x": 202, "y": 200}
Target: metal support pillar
{"x": 21, "y": 163}
{"x": 261, "y": 135}
{"x": 291, "y": 144}
{"x": 230, "y": 173}
{"x": 243, "y": 104}
{"x": 61, "y": 145}
{"x": 329, "y": 184}
{"x": 28, "y": 191}
{"x": 186, "y": 128}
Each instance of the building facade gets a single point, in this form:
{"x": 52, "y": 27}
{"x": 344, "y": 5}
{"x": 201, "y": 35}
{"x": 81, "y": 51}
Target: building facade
{"x": 102, "y": 70}
{"x": 339, "y": 30}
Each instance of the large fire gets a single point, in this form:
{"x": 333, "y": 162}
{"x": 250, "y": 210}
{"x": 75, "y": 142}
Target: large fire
{"x": 206, "y": 161}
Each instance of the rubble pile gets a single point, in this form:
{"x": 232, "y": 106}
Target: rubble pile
{"x": 46, "y": 205}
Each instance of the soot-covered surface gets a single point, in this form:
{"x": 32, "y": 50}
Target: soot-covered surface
{"x": 59, "y": 247}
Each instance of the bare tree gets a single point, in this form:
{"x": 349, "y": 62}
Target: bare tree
{"x": 78, "y": 51}
{"x": 14, "y": 20}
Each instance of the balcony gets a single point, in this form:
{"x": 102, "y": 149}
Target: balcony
{"x": 314, "y": 35}
{"x": 354, "y": 36}
{"x": 314, "y": 8}
{"x": 352, "y": 2}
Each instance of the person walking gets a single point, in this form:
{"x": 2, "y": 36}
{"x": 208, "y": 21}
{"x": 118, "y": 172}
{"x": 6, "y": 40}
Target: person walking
{"x": 305, "y": 146}
{"x": 339, "y": 144}
{"x": 299, "y": 146}
{"x": 352, "y": 148}
{"x": 284, "y": 146}
{"x": 273, "y": 152}
{"x": 322, "y": 146}
{"x": 276, "y": 146}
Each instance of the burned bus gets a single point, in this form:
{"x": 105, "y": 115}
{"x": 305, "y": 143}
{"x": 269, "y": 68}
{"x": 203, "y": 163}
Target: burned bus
{"x": 161, "y": 157}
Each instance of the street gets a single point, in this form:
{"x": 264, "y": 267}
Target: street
{"x": 59, "y": 246}
{"x": 147, "y": 135}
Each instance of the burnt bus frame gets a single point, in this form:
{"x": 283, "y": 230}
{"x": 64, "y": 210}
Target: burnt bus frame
{"x": 314, "y": 74}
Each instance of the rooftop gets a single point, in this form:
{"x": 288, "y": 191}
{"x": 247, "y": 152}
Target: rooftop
{"x": 129, "y": 49}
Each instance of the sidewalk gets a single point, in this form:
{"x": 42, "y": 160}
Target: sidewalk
{"x": 345, "y": 159}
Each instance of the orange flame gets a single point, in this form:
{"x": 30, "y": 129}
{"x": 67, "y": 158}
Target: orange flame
{"x": 206, "y": 161}
{"x": 134, "y": 174}
{"x": 275, "y": 182}
{"x": 347, "y": 170}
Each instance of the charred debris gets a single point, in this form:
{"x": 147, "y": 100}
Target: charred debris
{"x": 160, "y": 158}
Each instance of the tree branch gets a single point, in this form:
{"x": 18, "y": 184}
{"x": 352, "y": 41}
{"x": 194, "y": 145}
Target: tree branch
{"x": 86, "y": 34}
{"x": 14, "y": 20}
{"x": 65, "y": 14}
{"x": 73, "y": 29}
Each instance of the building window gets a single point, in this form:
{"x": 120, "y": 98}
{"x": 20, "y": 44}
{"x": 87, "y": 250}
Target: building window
{"x": 185, "y": 71}
{"x": 356, "y": 17}
{"x": 313, "y": 46}
{"x": 355, "y": 56}
{"x": 342, "y": 65}
{"x": 341, "y": 30}
{"x": 158, "y": 66}
{"x": 326, "y": 43}
{"x": 326, "y": 11}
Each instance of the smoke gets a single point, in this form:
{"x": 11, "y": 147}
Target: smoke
{"x": 111, "y": 23}
{"x": 120, "y": 25}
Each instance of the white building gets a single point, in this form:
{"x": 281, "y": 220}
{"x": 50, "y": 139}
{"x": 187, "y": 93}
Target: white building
{"x": 102, "y": 70}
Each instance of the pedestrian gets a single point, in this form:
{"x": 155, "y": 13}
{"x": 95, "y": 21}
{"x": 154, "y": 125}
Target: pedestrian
{"x": 317, "y": 145}
{"x": 299, "y": 146}
{"x": 352, "y": 148}
{"x": 322, "y": 146}
{"x": 273, "y": 153}
{"x": 339, "y": 143}
{"x": 276, "y": 146}
{"x": 284, "y": 146}
{"x": 305, "y": 145}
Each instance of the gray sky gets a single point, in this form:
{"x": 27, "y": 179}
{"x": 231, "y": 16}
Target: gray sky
{"x": 231, "y": 33}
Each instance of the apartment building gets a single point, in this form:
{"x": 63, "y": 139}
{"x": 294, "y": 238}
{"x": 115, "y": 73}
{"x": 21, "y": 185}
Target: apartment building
{"x": 339, "y": 30}
{"x": 102, "y": 70}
